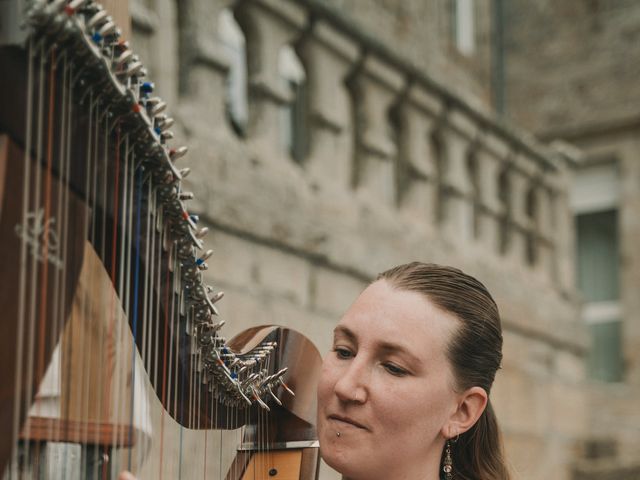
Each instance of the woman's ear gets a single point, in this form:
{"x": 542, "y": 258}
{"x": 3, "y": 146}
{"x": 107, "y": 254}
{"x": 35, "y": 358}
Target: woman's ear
{"x": 471, "y": 404}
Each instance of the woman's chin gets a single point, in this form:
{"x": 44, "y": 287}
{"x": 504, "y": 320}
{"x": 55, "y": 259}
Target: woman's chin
{"x": 340, "y": 458}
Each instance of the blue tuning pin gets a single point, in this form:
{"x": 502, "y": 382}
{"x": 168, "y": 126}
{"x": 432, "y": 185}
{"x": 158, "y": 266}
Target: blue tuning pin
{"x": 194, "y": 218}
{"x": 147, "y": 88}
{"x": 96, "y": 37}
{"x": 204, "y": 257}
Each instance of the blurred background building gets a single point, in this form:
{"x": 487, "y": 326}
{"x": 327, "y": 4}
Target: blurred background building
{"x": 332, "y": 139}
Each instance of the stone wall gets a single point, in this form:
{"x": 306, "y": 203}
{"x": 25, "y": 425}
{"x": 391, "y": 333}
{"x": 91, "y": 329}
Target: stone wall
{"x": 422, "y": 32}
{"x": 399, "y": 168}
{"x": 569, "y": 77}
{"x": 569, "y": 64}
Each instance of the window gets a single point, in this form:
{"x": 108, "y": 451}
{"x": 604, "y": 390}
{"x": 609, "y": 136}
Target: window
{"x": 531, "y": 211}
{"x": 437, "y": 151}
{"x": 594, "y": 199}
{"x": 474, "y": 178}
{"x": 504, "y": 196}
{"x": 294, "y": 115}
{"x": 234, "y": 44}
{"x": 464, "y": 26}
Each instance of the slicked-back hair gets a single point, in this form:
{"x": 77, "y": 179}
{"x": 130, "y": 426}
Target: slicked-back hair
{"x": 474, "y": 352}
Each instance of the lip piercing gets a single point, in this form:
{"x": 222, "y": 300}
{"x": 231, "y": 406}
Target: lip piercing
{"x": 337, "y": 434}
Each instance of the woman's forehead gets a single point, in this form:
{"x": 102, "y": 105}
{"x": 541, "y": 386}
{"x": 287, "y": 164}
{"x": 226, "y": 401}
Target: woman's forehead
{"x": 388, "y": 315}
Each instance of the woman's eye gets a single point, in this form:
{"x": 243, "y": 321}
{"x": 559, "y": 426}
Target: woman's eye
{"x": 395, "y": 370}
{"x": 342, "y": 353}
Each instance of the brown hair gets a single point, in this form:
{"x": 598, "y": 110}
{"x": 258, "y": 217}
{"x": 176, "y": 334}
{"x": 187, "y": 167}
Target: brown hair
{"x": 475, "y": 352}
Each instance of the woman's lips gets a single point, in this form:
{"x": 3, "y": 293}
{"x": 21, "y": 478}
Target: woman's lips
{"x": 347, "y": 420}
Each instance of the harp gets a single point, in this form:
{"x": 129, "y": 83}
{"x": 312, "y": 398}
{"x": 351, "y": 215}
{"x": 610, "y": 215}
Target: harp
{"x": 112, "y": 356}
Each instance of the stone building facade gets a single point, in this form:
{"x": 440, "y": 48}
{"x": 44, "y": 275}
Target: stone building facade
{"x": 402, "y": 158}
{"x": 576, "y": 60}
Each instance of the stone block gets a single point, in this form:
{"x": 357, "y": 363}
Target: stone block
{"x": 569, "y": 366}
{"x": 282, "y": 275}
{"x": 334, "y": 292}
{"x": 569, "y": 409}
{"x": 233, "y": 261}
{"x": 520, "y": 401}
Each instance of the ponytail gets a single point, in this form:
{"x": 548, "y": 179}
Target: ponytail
{"x": 478, "y": 453}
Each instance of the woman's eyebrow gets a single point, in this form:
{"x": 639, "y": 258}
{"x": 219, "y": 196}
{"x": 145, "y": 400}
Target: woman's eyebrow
{"x": 390, "y": 347}
{"x": 386, "y": 347}
{"x": 341, "y": 330}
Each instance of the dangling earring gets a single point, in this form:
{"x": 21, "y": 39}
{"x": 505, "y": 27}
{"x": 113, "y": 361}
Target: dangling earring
{"x": 447, "y": 467}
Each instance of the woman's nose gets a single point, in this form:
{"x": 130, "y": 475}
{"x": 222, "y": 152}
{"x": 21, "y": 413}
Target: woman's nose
{"x": 353, "y": 383}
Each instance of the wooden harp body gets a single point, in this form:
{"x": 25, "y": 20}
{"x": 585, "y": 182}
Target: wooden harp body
{"x": 112, "y": 354}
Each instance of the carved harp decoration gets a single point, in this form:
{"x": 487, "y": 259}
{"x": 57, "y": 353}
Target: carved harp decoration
{"x": 112, "y": 356}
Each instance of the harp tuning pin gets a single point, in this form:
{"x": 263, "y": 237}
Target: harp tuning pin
{"x": 97, "y": 38}
{"x": 279, "y": 375}
{"x": 133, "y": 68}
{"x": 184, "y": 172}
{"x": 146, "y": 88}
{"x": 107, "y": 29}
{"x": 273, "y": 395}
{"x": 185, "y": 195}
{"x": 244, "y": 397}
{"x": 218, "y": 325}
{"x": 204, "y": 257}
{"x": 168, "y": 135}
{"x": 176, "y": 153}
{"x": 158, "y": 107}
{"x": 202, "y": 232}
{"x": 123, "y": 57}
{"x": 260, "y": 402}
{"x": 163, "y": 123}
{"x": 167, "y": 122}
{"x": 194, "y": 218}
{"x": 153, "y": 101}
{"x": 98, "y": 17}
{"x": 216, "y": 297}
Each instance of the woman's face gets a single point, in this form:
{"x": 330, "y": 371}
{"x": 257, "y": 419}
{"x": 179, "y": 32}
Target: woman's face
{"x": 386, "y": 390}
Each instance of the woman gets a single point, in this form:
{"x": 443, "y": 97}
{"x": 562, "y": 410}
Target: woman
{"x": 404, "y": 393}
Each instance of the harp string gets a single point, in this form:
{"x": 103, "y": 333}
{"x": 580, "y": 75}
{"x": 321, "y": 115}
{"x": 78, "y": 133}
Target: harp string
{"x": 125, "y": 225}
{"x": 33, "y": 270}
{"x": 44, "y": 278}
{"x": 113, "y": 303}
{"x": 92, "y": 376}
{"x": 22, "y": 275}
{"x": 165, "y": 349}
{"x": 82, "y": 392}
{"x": 58, "y": 226}
{"x": 136, "y": 296}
